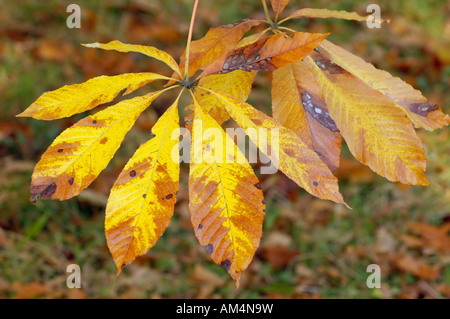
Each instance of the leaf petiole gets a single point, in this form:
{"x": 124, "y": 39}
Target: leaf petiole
{"x": 188, "y": 46}
{"x": 266, "y": 12}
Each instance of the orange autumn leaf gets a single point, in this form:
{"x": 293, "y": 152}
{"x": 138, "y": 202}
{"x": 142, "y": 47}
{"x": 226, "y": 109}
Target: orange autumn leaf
{"x": 267, "y": 54}
{"x": 215, "y": 43}
{"x": 431, "y": 236}
{"x": 299, "y": 105}
{"x": 417, "y": 267}
{"x": 278, "y": 6}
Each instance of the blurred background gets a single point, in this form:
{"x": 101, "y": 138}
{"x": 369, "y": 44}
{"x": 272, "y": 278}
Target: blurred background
{"x": 310, "y": 248}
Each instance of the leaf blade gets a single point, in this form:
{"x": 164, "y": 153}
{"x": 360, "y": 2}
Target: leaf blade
{"x": 143, "y": 197}
{"x": 215, "y": 43}
{"x": 298, "y": 104}
{"x": 326, "y": 13}
{"x": 143, "y": 49}
{"x": 278, "y": 6}
{"x": 72, "y": 99}
{"x": 226, "y": 201}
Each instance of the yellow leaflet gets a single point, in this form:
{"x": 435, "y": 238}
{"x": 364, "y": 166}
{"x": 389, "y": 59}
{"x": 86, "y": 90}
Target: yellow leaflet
{"x": 225, "y": 198}
{"x": 325, "y": 13}
{"x": 251, "y": 39}
{"x": 143, "y": 197}
{"x": 81, "y": 152}
{"x": 422, "y": 113}
{"x": 377, "y": 133}
{"x": 238, "y": 84}
{"x": 289, "y": 153}
{"x": 147, "y": 50}
{"x": 72, "y": 99}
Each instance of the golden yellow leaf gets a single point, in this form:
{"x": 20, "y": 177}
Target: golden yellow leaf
{"x": 298, "y": 104}
{"x": 226, "y": 201}
{"x": 144, "y": 49}
{"x": 72, "y": 99}
{"x": 81, "y": 152}
{"x": 215, "y": 43}
{"x": 143, "y": 197}
{"x": 278, "y": 6}
{"x": 267, "y": 54}
{"x": 419, "y": 110}
{"x": 288, "y": 152}
{"x": 326, "y": 13}
{"x": 238, "y": 84}
{"x": 377, "y": 133}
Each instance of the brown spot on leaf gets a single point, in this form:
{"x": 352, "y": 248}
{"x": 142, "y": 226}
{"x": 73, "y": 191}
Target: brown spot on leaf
{"x": 247, "y": 59}
{"x": 42, "y": 191}
{"x": 144, "y": 195}
{"x": 71, "y": 181}
{"x": 258, "y": 185}
{"x": 209, "y": 248}
{"x": 329, "y": 66}
{"x": 94, "y": 122}
{"x": 104, "y": 140}
{"x": 169, "y": 196}
{"x": 317, "y": 108}
{"x": 60, "y": 150}
{"x": 200, "y": 226}
{"x": 226, "y": 264}
{"x": 242, "y": 62}
{"x": 423, "y": 109}
{"x": 133, "y": 173}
